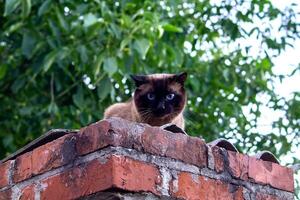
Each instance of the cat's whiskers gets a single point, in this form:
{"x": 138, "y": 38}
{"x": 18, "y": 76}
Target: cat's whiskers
{"x": 145, "y": 114}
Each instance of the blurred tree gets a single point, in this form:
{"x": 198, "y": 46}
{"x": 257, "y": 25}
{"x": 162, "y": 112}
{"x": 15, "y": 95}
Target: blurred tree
{"x": 63, "y": 62}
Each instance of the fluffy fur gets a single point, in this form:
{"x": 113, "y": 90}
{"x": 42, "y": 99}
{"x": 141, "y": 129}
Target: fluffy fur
{"x": 158, "y": 99}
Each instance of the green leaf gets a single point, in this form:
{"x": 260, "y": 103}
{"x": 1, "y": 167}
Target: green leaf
{"x": 3, "y": 69}
{"x": 83, "y": 53}
{"x": 8, "y": 140}
{"x": 114, "y": 30}
{"x": 142, "y": 46}
{"x": 172, "y": 28}
{"x": 266, "y": 64}
{"x": 26, "y": 111}
{"x": 124, "y": 43}
{"x": 61, "y": 19}
{"x": 110, "y": 65}
{"x": 13, "y": 28}
{"x": 54, "y": 29}
{"x": 97, "y": 64}
{"x": 84, "y": 118}
{"x": 10, "y": 6}
{"x": 63, "y": 52}
{"x": 44, "y": 7}
{"x": 28, "y": 44}
{"x": 53, "y": 108}
{"x": 78, "y": 98}
{"x": 104, "y": 88}
{"x": 89, "y": 20}
{"x": 226, "y": 74}
{"x": 17, "y": 85}
{"x": 49, "y": 59}
{"x": 26, "y": 8}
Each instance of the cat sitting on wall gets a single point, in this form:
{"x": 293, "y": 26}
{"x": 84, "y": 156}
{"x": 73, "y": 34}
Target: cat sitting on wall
{"x": 159, "y": 99}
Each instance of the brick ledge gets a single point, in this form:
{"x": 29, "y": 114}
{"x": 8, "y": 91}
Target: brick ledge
{"x": 224, "y": 170}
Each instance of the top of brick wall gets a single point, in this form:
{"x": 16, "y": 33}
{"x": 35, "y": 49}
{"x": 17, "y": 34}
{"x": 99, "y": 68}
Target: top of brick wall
{"x": 116, "y": 153}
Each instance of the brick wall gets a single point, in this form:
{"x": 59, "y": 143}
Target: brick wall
{"x": 117, "y": 159}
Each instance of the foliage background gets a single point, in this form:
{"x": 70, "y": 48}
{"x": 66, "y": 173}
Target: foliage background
{"x": 63, "y": 62}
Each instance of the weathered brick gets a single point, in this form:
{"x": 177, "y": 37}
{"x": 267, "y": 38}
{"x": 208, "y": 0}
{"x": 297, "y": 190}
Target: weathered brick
{"x": 134, "y": 175}
{"x": 271, "y": 173}
{"x": 27, "y": 193}
{"x": 23, "y": 167}
{"x": 155, "y": 141}
{"x": 193, "y": 187}
{"x": 218, "y": 157}
{"x": 79, "y": 181}
{"x": 5, "y": 194}
{"x": 238, "y": 165}
{"x": 116, "y": 172}
{"x": 174, "y": 145}
{"x": 53, "y": 154}
{"x": 93, "y": 137}
{"x": 4, "y": 173}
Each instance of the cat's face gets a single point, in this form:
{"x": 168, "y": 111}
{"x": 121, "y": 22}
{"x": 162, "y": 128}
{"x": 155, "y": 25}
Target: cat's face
{"x": 159, "y": 95}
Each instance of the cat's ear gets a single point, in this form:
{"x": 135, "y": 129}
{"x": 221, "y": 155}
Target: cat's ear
{"x": 181, "y": 77}
{"x": 139, "y": 79}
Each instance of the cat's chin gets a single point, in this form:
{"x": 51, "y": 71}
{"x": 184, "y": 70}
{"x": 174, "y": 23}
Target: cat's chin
{"x": 162, "y": 117}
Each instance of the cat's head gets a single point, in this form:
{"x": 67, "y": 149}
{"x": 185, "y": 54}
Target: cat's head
{"x": 159, "y": 95}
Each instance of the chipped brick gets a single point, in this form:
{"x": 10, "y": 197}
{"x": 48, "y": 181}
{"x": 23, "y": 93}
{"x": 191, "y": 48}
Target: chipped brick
{"x": 189, "y": 186}
{"x": 4, "y": 173}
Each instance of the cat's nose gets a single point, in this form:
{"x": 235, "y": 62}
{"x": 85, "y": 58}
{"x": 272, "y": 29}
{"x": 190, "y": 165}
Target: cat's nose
{"x": 162, "y": 105}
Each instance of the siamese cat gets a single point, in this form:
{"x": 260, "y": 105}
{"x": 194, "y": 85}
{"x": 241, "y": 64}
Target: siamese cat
{"x": 158, "y": 99}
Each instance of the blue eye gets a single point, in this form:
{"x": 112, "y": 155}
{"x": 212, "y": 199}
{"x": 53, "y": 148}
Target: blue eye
{"x": 150, "y": 96}
{"x": 170, "y": 96}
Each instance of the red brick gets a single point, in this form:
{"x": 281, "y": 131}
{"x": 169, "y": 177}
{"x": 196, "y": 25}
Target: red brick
{"x": 94, "y": 137}
{"x": 53, "y": 154}
{"x": 116, "y": 172}
{"x": 79, "y": 181}
{"x": 5, "y": 194}
{"x": 269, "y": 173}
{"x": 134, "y": 175}
{"x": 174, "y": 145}
{"x": 27, "y": 193}
{"x": 23, "y": 167}
{"x": 260, "y": 196}
{"x": 195, "y": 187}
{"x": 238, "y": 165}
{"x": 4, "y": 173}
{"x": 218, "y": 159}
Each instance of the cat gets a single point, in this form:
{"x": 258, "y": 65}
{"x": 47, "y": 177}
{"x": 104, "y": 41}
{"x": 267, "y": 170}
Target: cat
{"x": 158, "y": 99}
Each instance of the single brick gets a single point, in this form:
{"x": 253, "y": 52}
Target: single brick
{"x": 238, "y": 165}
{"x": 218, "y": 159}
{"x": 271, "y": 173}
{"x": 94, "y": 137}
{"x": 53, "y": 154}
{"x": 79, "y": 181}
{"x": 282, "y": 177}
{"x": 134, "y": 175}
{"x": 116, "y": 172}
{"x": 4, "y": 173}
{"x": 23, "y": 167}
{"x": 174, "y": 145}
{"x": 193, "y": 187}
{"x": 27, "y": 193}
{"x": 195, "y": 152}
{"x": 5, "y": 194}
